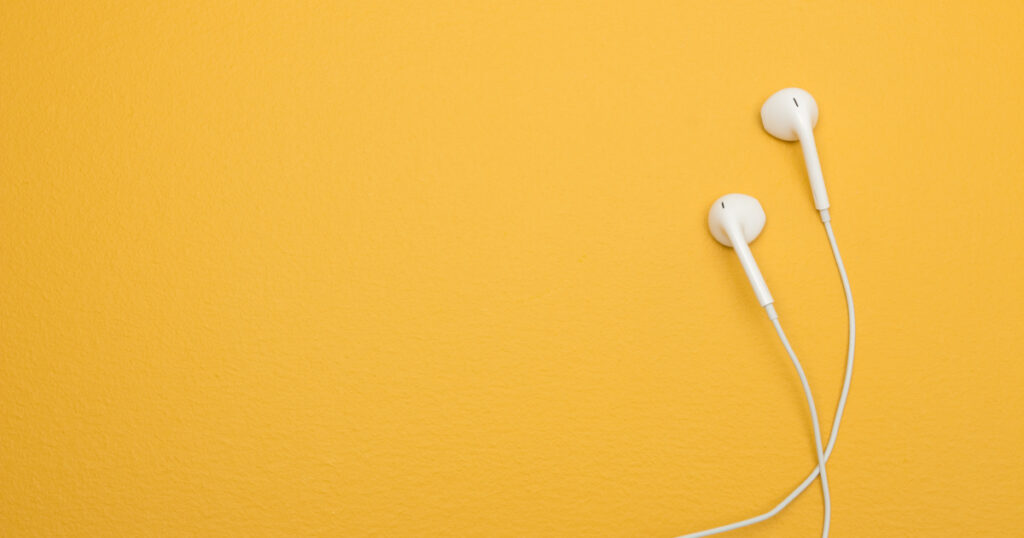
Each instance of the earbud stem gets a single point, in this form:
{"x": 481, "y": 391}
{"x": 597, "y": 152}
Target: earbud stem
{"x": 739, "y": 244}
{"x": 814, "y": 175}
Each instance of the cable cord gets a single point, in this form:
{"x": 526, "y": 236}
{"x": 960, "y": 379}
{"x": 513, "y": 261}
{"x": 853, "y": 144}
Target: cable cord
{"x": 827, "y": 498}
{"x": 840, "y": 408}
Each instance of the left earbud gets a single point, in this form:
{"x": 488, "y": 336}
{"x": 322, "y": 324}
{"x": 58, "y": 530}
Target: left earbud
{"x": 735, "y": 220}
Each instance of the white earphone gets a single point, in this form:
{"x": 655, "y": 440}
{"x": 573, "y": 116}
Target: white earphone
{"x": 735, "y": 220}
{"x": 792, "y": 114}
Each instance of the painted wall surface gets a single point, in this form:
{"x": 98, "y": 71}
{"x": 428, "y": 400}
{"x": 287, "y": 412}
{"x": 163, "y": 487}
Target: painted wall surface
{"x": 442, "y": 269}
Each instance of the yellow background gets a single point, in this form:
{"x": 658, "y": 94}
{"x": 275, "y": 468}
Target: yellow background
{"x": 442, "y": 269}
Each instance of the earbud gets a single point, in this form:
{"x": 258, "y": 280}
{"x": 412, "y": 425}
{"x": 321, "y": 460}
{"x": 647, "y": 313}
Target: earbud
{"x": 791, "y": 114}
{"x": 735, "y": 220}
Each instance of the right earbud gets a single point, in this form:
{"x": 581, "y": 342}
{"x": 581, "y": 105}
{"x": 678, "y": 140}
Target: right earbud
{"x": 791, "y": 114}
{"x": 735, "y": 220}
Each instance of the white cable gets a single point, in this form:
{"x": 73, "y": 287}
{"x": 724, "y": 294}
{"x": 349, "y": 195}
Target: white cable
{"x": 814, "y": 418}
{"x": 847, "y": 378}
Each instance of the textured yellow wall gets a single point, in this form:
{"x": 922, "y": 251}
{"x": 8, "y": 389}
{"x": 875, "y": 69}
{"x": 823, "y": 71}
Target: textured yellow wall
{"x": 370, "y": 269}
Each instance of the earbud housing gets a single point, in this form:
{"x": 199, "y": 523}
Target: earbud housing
{"x": 791, "y": 114}
{"x": 734, "y": 221}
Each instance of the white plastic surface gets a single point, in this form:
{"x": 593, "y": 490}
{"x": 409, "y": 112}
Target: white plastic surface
{"x": 791, "y": 114}
{"x": 735, "y": 220}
